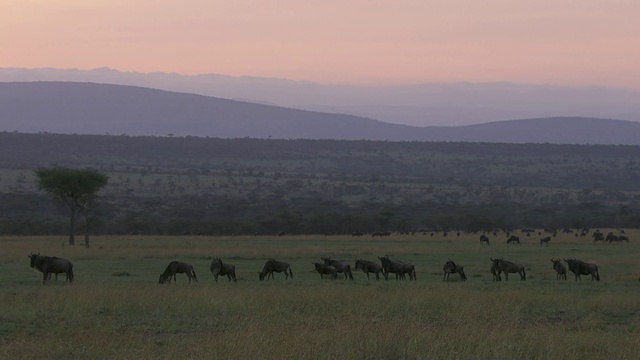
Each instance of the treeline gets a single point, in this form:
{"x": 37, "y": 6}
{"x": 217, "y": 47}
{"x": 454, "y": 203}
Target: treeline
{"x": 245, "y": 186}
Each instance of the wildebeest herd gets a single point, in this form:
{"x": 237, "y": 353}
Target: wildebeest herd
{"x": 332, "y": 268}
{"x": 54, "y": 265}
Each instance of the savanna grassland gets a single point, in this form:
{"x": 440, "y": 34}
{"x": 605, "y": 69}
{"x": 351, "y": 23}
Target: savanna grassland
{"x": 116, "y": 310}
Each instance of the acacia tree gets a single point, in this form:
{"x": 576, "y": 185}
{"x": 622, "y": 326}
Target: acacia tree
{"x": 75, "y": 188}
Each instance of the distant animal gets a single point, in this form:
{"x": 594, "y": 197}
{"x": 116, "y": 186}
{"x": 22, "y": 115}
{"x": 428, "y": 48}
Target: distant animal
{"x": 218, "y": 268}
{"x": 341, "y": 266}
{"x": 324, "y": 269}
{"x": 51, "y": 265}
{"x": 495, "y": 271}
{"x": 623, "y": 238}
{"x": 509, "y": 267}
{"x": 561, "y": 270}
{"x": 611, "y": 237}
{"x": 451, "y": 268}
{"x": 369, "y": 267}
{"x": 579, "y": 267}
{"x": 271, "y": 266}
{"x": 545, "y": 240}
{"x": 597, "y": 236}
{"x": 484, "y": 239}
{"x": 515, "y": 240}
{"x": 397, "y": 267}
{"x": 177, "y": 267}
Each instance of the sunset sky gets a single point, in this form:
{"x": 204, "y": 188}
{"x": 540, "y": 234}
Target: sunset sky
{"x": 581, "y": 42}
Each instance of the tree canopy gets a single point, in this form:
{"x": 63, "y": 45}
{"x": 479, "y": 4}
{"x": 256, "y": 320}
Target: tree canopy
{"x": 76, "y": 188}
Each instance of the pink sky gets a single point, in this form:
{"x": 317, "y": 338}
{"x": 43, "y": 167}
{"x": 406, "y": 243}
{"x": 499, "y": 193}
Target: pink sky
{"x": 573, "y": 42}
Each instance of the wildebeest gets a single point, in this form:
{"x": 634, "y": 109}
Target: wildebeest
{"x": 484, "y": 239}
{"x": 51, "y": 265}
{"x": 341, "y": 266}
{"x": 397, "y": 267}
{"x": 451, "y": 268}
{"x": 324, "y": 269}
{"x": 218, "y": 268}
{"x": 369, "y": 267}
{"x": 561, "y": 270}
{"x": 579, "y": 267}
{"x": 271, "y": 266}
{"x": 611, "y": 237}
{"x": 598, "y": 236}
{"x": 545, "y": 240}
{"x": 177, "y": 267}
{"x": 509, "y": 267}
{"x": 495, "y": 271}
{"x": 513, "y": 240}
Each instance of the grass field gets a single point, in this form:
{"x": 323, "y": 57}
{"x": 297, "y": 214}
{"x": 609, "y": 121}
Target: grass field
{"x": 116, "y": 309}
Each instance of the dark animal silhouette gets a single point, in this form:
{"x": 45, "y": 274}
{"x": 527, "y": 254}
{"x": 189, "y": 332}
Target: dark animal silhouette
{"x": 545, "y": 240}
{"x": 51, "y": 265}
{"x": 515, "y": 240}
{"x": 509, "y": 267}
{"x": 341, "y": 266}
{"x": 561, "y": 270}
{"x": 177, "y": 267}
{"x": 495, "y": 271}
{"x": 397, "y": 267}
{"x": 271, "y": 266}
{"x": 579, "y": 267}
{"x": 218, "y": 268}
{"x": 597, "y": 236}
{"x": 324, "y": 269}
{"x": 611, "y": 237}
{"x": 484, "y": 239}
{"x": 369, "y": 267}
{"x": 452, "y": 268}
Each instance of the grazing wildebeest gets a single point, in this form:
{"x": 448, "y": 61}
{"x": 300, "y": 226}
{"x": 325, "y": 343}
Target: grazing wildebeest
{"x": 579, "y": 267}
{"x": 218, "y": 268}
{"x": 561, "y": 270}
{"x": 484, "y": 239}
{"x": 508, "y": 267}
{"x": 324, "y": 269}
{"x": 611, "y": 237}
{"x": 397, "y": 267}
{"x": 369, "y": 267}
{"x": 51, "y": 265}
{"x": 513, "y": 240}
{"x": 495, "y": 271}
{"x": 271, "y": 266}
{"x": 451, "y": 268}
{"x": 545, "y": 240}
{"x": 177, "y": 267}
{"x": 341, "y": 266}
{"x": 597, "y": 236}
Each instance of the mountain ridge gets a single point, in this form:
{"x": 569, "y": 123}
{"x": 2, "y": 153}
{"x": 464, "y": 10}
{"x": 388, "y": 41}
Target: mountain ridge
{"x": 420, "y": 104}
{"x": 90, "y": 108}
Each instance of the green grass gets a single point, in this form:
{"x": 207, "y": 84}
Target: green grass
{"x": 116, "y": 309}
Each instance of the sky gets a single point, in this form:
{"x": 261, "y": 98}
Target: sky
{"x": 364, "y": 42}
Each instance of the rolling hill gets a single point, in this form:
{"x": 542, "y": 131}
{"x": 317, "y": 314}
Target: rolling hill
{"x": 90, "y": 108}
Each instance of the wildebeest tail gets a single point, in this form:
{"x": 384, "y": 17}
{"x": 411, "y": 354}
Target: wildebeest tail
{"x": 413, "y": 270}
{"x": 597, "y": 274}
{"x": 524, "y": 274}
{"x": 195, "y": 277}
{"x": 290, "y": 272}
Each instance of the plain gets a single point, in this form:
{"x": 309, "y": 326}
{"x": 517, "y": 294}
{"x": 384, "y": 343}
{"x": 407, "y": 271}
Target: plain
{"x": 117, "y": 309}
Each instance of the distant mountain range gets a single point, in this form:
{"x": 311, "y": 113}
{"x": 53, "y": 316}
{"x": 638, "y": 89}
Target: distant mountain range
{"x": 89, "y": 108}
{"x": 431, "y": 104}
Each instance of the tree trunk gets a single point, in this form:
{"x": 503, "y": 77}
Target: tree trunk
{"x": 86, "y": 231}
{"x": 72, "y": 227}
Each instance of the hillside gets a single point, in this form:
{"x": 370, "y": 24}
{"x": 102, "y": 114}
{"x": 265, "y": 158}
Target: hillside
{"x": 427, "y": 104}
{"x": 88, "y": 108}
